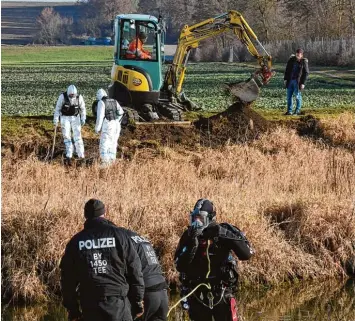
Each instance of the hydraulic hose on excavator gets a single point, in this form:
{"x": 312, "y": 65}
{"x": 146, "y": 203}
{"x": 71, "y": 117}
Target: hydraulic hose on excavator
{"x": 191, "y": 36}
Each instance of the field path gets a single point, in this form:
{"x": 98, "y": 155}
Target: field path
{"x": 339, "y": 74}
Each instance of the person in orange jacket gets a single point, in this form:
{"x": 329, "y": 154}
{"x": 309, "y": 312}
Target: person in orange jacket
{"x": 136, "y": 48}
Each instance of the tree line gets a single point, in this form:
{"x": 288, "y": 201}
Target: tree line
{"x": 272, "y": 20}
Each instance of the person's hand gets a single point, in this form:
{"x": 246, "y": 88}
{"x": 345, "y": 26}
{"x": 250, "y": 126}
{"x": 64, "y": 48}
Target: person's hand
{"x": 195, "y": 230}
{"x": 285, "y": 83}
{"x": 302, "y": 86}
{"x": 138, "y": 309}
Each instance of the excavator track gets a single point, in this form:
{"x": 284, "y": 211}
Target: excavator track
{"x": 170, "y": 110}
{"x": 170, "y": 114}
{"x": 166, "y": 123}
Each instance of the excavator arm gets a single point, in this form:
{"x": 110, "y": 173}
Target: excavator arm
{"x": 191, "y": 36}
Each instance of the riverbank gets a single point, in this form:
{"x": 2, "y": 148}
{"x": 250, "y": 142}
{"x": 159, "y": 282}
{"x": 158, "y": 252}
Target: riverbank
{"x": 292, "y": 196}
{"x": 306, "y": 301}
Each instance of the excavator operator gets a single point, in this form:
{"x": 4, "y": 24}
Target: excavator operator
{"x": 135, "y": 48}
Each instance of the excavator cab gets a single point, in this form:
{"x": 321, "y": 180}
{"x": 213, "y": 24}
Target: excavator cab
{"x": 137, "y": 80}
{"x": 137, "y": 70}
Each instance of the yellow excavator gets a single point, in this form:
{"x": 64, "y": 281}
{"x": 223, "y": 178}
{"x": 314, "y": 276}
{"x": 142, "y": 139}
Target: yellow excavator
{"x": 137, "y": 73}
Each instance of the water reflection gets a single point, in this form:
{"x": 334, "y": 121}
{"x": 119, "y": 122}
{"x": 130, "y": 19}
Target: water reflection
{"x": 317, "y": 302}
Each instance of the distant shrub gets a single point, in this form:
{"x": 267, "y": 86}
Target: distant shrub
{"x": 53, "y": 28}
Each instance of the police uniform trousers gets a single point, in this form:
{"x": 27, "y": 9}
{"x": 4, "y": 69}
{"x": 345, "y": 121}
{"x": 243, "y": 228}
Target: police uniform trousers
{"x": 110, "y": 308}
{"x": 156, "y": 306}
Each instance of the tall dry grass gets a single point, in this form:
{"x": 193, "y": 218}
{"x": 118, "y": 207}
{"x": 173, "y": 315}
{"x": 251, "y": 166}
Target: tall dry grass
{"x": 340, "y": 130}
{"x": 294, "y": 200}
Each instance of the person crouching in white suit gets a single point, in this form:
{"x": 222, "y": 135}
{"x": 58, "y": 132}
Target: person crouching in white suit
{"x": 108, "y": 121}
{"x": 72, "y": 112}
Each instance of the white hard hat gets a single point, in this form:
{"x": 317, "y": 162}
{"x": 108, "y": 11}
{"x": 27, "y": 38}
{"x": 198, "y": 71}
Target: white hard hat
{"x": 72, "y": 90}
{"x": 101, "y": 93}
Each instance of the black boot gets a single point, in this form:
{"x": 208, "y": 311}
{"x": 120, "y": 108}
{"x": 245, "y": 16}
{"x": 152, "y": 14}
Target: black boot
{"x": 67, "y": 161}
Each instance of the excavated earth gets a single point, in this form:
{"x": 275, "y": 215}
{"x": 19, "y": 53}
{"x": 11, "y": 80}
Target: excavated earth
{"x": 238, "y": 124}
{"x": 23, "y": 137}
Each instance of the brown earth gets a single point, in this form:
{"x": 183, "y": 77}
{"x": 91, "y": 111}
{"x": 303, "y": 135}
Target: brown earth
{"x": 238, "y": 124}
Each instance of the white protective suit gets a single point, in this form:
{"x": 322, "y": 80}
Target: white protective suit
{"x": 71, "y": 123}
{"x": 110, "y": 130}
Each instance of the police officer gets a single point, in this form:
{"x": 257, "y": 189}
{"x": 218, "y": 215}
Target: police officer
{"x": 155, "y": 296}
{"x": 103, "y": 263}
{"x": 109, "y": 114}
{"x": 204, "y": 255}
{"x": 71, "y": 109}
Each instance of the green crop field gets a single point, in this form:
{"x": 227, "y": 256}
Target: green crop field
{"x": 33, "y": 77}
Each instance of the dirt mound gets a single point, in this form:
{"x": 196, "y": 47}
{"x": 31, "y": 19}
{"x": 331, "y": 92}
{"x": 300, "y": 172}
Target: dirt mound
{"x": 310, "y": 126}
{"x": 238, "y": 124}
{"x": 159, "y": 134}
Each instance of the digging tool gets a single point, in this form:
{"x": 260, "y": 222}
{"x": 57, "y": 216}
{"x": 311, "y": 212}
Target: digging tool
{"x": 54, "y": 137}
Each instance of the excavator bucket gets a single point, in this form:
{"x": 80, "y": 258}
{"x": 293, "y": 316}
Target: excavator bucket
{"x": 246, "y": 91}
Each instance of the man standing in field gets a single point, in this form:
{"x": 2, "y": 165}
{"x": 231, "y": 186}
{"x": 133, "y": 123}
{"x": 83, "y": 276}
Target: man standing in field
{"x": 296, "y": 74}
{"x": 204, "y": 259}
{"x": 72, "y": 112}
{"x": 102, "y": 265}
{"x": 108, "y": 120}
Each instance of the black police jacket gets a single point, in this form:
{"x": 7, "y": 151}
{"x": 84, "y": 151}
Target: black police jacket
{"x": 191, "y": 257}
{"x": 102, "y": 261}
{"x": 151, "y": 268}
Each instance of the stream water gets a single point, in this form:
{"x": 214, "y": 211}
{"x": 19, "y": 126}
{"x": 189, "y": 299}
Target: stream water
{"x": 327, "y": 301}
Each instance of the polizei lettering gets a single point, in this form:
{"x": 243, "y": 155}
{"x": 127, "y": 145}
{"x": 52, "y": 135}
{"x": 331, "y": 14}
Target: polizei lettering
{"x": 139, "y": 239}
{"x": 97, "y": 244}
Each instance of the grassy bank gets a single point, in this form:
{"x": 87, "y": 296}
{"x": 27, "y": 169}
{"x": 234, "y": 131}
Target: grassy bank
{"x": 293, "y": 198}
{"x": 37, "y": 75}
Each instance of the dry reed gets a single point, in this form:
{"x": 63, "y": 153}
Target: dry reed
{"x": 294, "y": 200}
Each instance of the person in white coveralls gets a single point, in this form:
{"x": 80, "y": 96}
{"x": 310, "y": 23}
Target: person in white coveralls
{"x": 71, "y": 110}
{"x": 108, "y": 121}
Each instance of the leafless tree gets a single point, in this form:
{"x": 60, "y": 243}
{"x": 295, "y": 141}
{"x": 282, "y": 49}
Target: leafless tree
{"x": 97, "y": 14}
{"x": 52, "y": 28}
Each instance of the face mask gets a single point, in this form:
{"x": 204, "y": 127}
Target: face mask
{"x": 197, "y": 224}
{"x": 72, "y": 100}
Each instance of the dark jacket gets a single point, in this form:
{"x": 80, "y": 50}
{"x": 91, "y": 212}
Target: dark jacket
{"x": 102, "y": 261}
{"x": 303, "y": 71}
{"x": 151, "y": 268}
{"x": 191, "y": 256}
